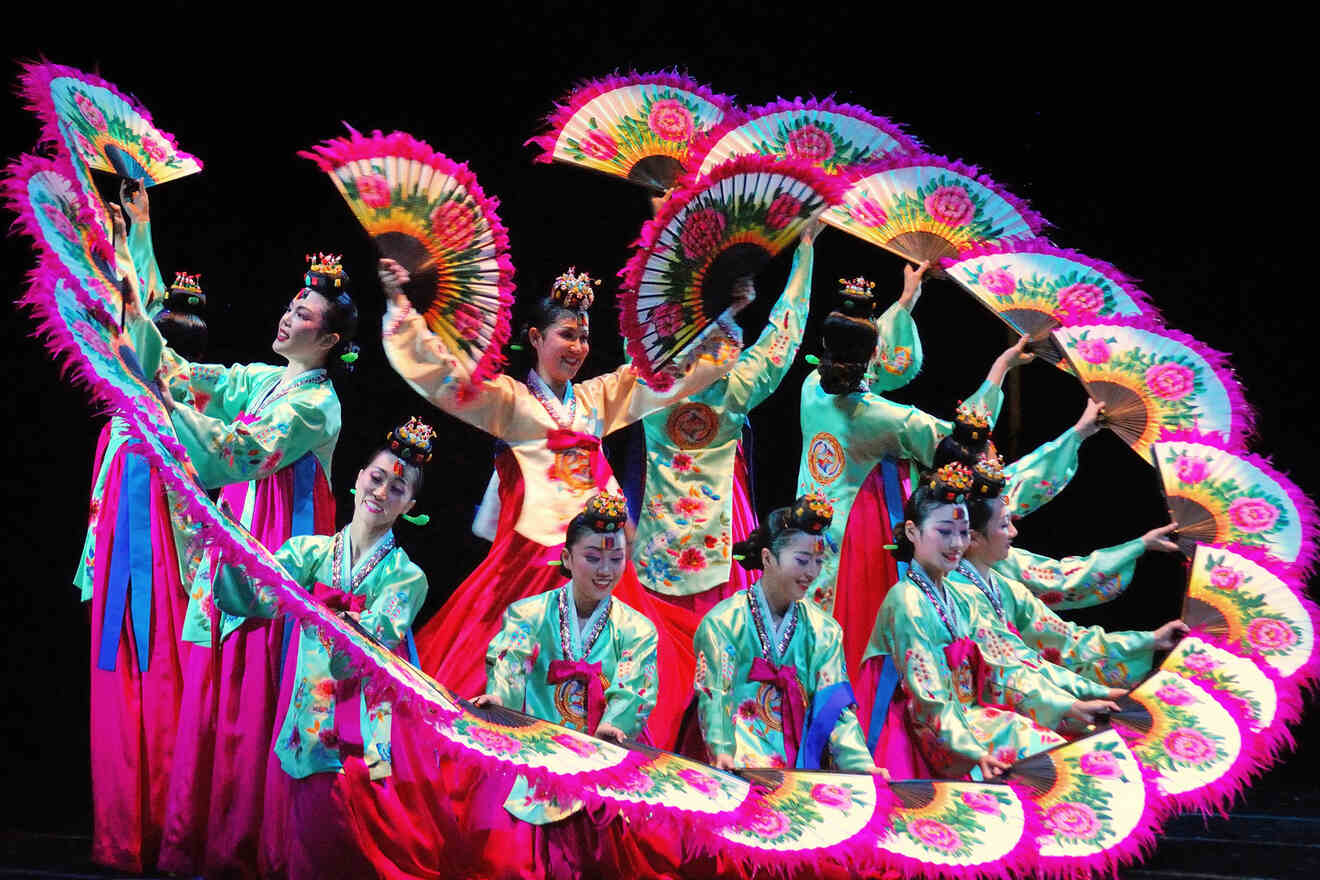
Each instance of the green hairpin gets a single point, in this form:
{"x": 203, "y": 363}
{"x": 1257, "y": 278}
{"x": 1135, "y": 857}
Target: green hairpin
{"x": 349, "y": 357}
{"x": 812, "y": 359}
{"x": 420, "y": 519}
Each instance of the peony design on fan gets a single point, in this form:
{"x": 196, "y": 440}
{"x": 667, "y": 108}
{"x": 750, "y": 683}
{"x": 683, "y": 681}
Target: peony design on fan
{"x": 925, "y": 207}
{"x": 640, "y": 127}
{"x": 431, "y": 215}
{"x": 831, "y": 136}
{"x": 1152, "y": 380}
{"x": 101, "y": 127}
{"x": 955, "y": 822}
{"x": 709, "y": 233}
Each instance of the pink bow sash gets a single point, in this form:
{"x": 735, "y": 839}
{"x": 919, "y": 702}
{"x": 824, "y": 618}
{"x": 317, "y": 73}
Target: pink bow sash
{"x": 965, "y": 650}
{"x": 792, "y": 705}
{"x": 338, "y": 600}
{"x": 559, "y": 439}
{"x": 563, "y": 670}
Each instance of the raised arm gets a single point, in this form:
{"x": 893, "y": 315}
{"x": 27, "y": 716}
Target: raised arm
{"x": 764, "y": 364}
{"x": 133, "y": 196}
{"x": 898, "y": 353}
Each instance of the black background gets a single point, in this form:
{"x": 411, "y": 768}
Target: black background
{"x": 1167, "y": 151}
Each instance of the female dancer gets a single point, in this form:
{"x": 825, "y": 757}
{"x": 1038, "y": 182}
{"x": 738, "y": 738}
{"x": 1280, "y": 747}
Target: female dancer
{"x": 580, "y": 657}
{"x": 771, "y": 687}
{"x": 1119, "y": 659}
{"x": 847, "y": 429}
{"x": 130, "y": 571}
{"x": 335, "y": 738}
{"x": 963, "y": 706}
{"x": 696, "y": 476}
{"x": 552, "y": 426}
{"x": 265, "y": 436}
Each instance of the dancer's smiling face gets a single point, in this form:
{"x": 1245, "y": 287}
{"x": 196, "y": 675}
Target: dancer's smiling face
{"x": 383, "y": 491}
{"x": 299, "y": 336}
{"x": 595, "y": 561}
{"x": 941, "y": 539}
{"x": 562, "y": 346}
{"x": 791, "y": 571}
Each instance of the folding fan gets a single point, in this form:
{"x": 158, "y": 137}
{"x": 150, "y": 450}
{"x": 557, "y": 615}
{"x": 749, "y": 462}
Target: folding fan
{"x": 640, "y": 127}
{"x": 832, "y": 136}
{"x": 430, "y": 214}
{"x": 1241, "y": 680}
{"x": 1153, "y": 379}
{"x": 1033, "y": 287}
{"x": 1094, "y": 802}
{"x": 1193, "y": 742}
{"x": 959, "y": 829}
{"x": 664, "y": 778}
{"x": 60, "y": 220}
{"x": 927, "y": 207}
{"x": 102, "y": 127}
{"x": 806, "y": 814}
{"x": 725, "y": 225}
{"x": 1223, "y": 497}
{"x": 1255, "y": 612}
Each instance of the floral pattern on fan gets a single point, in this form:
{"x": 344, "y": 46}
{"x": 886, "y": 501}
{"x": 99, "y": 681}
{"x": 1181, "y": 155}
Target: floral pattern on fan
{"x": 1153, "y": 379}
{"x": 1224, "y": 497}
{"x": 101, "y": 127}
{"x": 681, "y": 783}
{"x": 801, "y": 811}
{"x": 1255, "y": 612}
{"x": 640, "y": 127}
{"x": 1227, "y": 673}
{"x": 956, "y": 823}
{"x": 431, "y": 215}
{"x": 929, "y": 208}
{"x": 824, "y": 133}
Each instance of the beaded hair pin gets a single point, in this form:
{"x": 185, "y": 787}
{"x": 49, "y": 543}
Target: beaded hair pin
{"x": 186, "y": 283}
{"x": 328, "y": 266}
{"x": 811, "y": 513}
{"x": 412, "y": 441}
{"x": 607, "y": 512}
{"x": 988, "y": 474}
{"x": 951, "y": 483}
{"x": 574, "y": 291}
{"x": 856, "y": 295}
{"x": 974, "y": 419}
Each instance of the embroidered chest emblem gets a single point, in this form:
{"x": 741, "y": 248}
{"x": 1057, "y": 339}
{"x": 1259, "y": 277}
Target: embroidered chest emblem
{"x": 825, "y": 458}
{"x": 572, "y": 467}
{"x": 571, "y": 702}
{"x": 692, "y": 425}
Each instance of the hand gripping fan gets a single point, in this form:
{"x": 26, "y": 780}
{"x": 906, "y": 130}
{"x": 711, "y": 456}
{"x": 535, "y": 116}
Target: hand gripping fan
{"x": 725, "y": 225}
{"x": 831, "y": 136}
{"x": 1152, "y": 379}
{"x": 430, "y": 214}
{"x": 1255, "y": 609}
{"x": 640, "y": 127}
{"x": 1223, "y": 497}
{"x": 960, "y": 829}
{"x": 64, "y": 227}
{"x": 1097, "y": 807}
{"x": 102, "y": 127}
{"x": 801, "y": 816}
{"x": 927, "y": 207}
{"x": 1189, "y": 738}
{"x": 1033, "y": 287}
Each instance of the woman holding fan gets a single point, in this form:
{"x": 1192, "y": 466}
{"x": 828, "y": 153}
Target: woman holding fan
{"x": 552, "y": 426}
{"x": 264, "y": 435}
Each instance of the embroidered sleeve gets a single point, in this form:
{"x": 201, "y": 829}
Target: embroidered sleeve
{"x": 633, "y": 690}
{"x": 236, "y": 451}
{"x": 237, "y": 594}
{"x": 389, "y": 614}
{"x": 898, "y": 354}
{"x": 1041, "y": 474}
{"x": 510, "y": 657}
{"x": 714, "y": 686}
{"x": 1075, "y": 581}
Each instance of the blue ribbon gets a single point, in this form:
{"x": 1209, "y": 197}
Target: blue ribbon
{"x": 130, "y": 564}
{"x": 893, "y": 489}
{"x": 412, "y": 649}
{"x": 304, "y": 523}
{"x": 826, "y": 707}
{"x": 884, "y": 694}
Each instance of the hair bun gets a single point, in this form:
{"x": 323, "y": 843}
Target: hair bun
{"x": 607, "y": 512}
{"x": 988, "y": 474}
{"x": 412, "y": 441}
{"x": 971, "y": 425}
{"x": 811, "y": 513}
{"x": 325, "y": 274}
{"x": 950, "y": 483}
